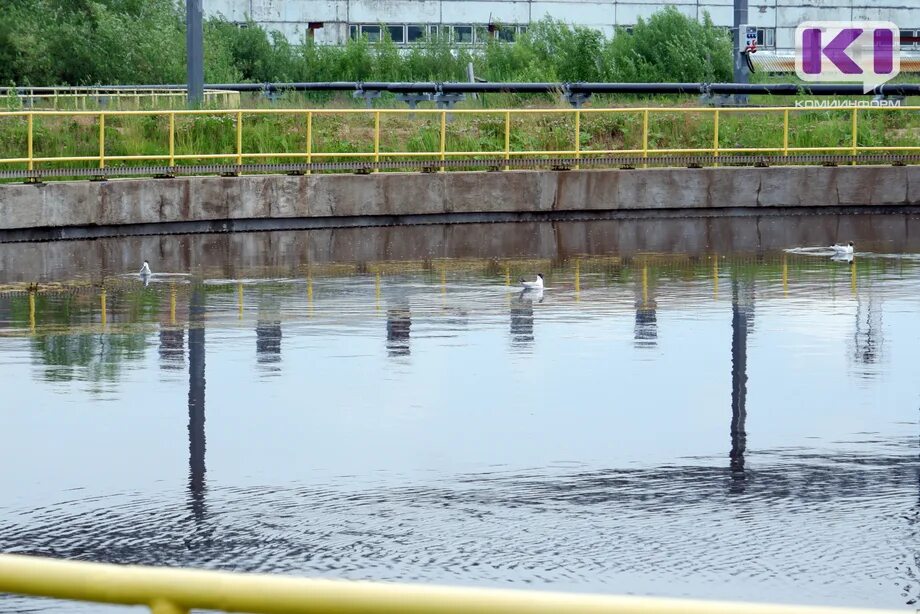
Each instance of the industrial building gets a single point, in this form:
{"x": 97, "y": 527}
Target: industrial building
{"x": 469, "y": 22}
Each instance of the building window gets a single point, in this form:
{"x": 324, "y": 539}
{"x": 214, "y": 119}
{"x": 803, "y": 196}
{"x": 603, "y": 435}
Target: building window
{"x": 353, "y": 32}
{"x": 415, "y": 34}
{"x": 372, "y": 33}
{"x": 397, "y": 34}
{"x": 507, "y": 34}
{"x": 910, "y": 39}
{"x": 766, "y": 37}
{"x": 463, "y": 34}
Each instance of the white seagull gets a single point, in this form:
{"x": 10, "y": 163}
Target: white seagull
{"x": 843, "y": 250}
{"x": 533, "y": 285}
{"x": 145, "y": 270}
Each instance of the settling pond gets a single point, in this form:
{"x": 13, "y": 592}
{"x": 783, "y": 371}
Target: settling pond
{"x": 686, "y": 410}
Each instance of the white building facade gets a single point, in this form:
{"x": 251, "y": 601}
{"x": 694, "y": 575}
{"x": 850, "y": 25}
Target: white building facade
{"x": 468, "y": 21}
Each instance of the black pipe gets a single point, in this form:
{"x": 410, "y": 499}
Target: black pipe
{"x": 776, "y": 89}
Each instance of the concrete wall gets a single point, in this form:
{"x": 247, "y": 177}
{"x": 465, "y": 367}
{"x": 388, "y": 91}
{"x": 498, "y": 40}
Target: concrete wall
{"x": 344, "y": 198}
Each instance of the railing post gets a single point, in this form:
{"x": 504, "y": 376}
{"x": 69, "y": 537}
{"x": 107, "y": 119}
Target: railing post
{"x": 854, "y": 135}
{"x": 102, "y": 140}
{"x": 644, "y": 136}
{"x": 309, "y": 138}
{"x": 239, "y": 138}
{"x": 172, "y": 139}
{"x": 577, "y": 137}
{"x": 507, "y": 138}
{"x": 715, "y": 134}
{"x": 376, "y": 140}
{"x": 443, "y": 151}
{"x": 785, "y": 132}
{"x": 29, "y": 141}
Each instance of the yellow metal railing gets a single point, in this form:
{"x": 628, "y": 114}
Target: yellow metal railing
{"x": 176, "y": 591}
{"x": 374, "y": 152}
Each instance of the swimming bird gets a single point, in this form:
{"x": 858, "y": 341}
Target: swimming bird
{"x": 843, "y": 249}
{"x": 533, "y": 285}
{"x": 145, "y": 270}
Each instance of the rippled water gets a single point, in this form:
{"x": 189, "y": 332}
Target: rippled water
{"x": 704, "y": 421}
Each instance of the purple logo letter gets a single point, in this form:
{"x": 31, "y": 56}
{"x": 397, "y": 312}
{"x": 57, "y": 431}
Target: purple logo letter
{"x": 835, "y": 51}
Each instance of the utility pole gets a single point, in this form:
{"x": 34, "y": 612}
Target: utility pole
{"x": 194, "y": 44}
{"x": 740, "y": 73}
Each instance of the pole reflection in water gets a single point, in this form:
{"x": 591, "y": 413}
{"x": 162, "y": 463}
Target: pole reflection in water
{"x": 196, "y": 435}
{"x": 867, "y": 335}
{"x": 268, "y": 333}
{"x": 742, "y": 308}
{"x": 172, "y": 348}
{"x": 646, "y": 330}
{"x": 522, "y": 317}
{"x": 399, "y": 323}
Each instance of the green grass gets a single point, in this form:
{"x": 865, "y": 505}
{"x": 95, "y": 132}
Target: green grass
{"x": 351, "y": 133}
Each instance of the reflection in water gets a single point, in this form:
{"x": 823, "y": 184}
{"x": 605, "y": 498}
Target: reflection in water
{"x": 646, "y": 328}
{"x": 172, "y": 348}
{"x": 268, "y": 331}
{"x": 742, "y": 305}
{"x": 399, "y": 323}
{"x": 268, "y": 342}
{"x": 814, "y": 515}
{"x": 522, "y": 317}
{"x": 867, "y": 336}
{"x": 196, "y": 435}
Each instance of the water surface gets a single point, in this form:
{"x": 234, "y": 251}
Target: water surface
{"x": 704, "y": 420}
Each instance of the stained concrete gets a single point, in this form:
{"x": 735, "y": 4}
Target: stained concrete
{"x": 276, "y": 197}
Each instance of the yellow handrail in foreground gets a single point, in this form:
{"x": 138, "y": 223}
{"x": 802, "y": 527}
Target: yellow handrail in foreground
{"x": 176, "y": 591}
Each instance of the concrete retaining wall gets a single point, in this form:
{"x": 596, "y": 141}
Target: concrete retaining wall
{"x": 198, "y": 199}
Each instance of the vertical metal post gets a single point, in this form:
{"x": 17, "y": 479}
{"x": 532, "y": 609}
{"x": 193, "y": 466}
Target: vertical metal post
{"x": 194, "y": 43}
{"x": 29, "y": 142}
{"x": 507, "y": 138}
{"x": 376, "y": 139}
{"x": 577, "y": 137}
{"x": 172, "y": 139}
{"x": 645, "y": 136}
{"x": 102, "y": 140}
{"x": 715, "y": 134}
{"x": 239, "y": 138}
{"x": 309, "y": 138}
{"x": 172, "y": 305}
{"x": 443, "y": 137}
{"x": 854, "y": 135}
{"x": 785, "y": 132}
{"x": 239, "y": 299}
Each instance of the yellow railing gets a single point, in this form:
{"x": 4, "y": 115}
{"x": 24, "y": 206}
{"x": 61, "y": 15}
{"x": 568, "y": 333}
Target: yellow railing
{"x": 176, "y": 591}
{"x": 309, "y": 152}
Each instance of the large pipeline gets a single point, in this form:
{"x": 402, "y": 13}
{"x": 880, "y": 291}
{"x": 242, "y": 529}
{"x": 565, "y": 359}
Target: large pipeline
{"x": 776, "y": 89}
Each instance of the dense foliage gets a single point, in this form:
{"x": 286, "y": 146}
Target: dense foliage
{"x": 86, "y": 42}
